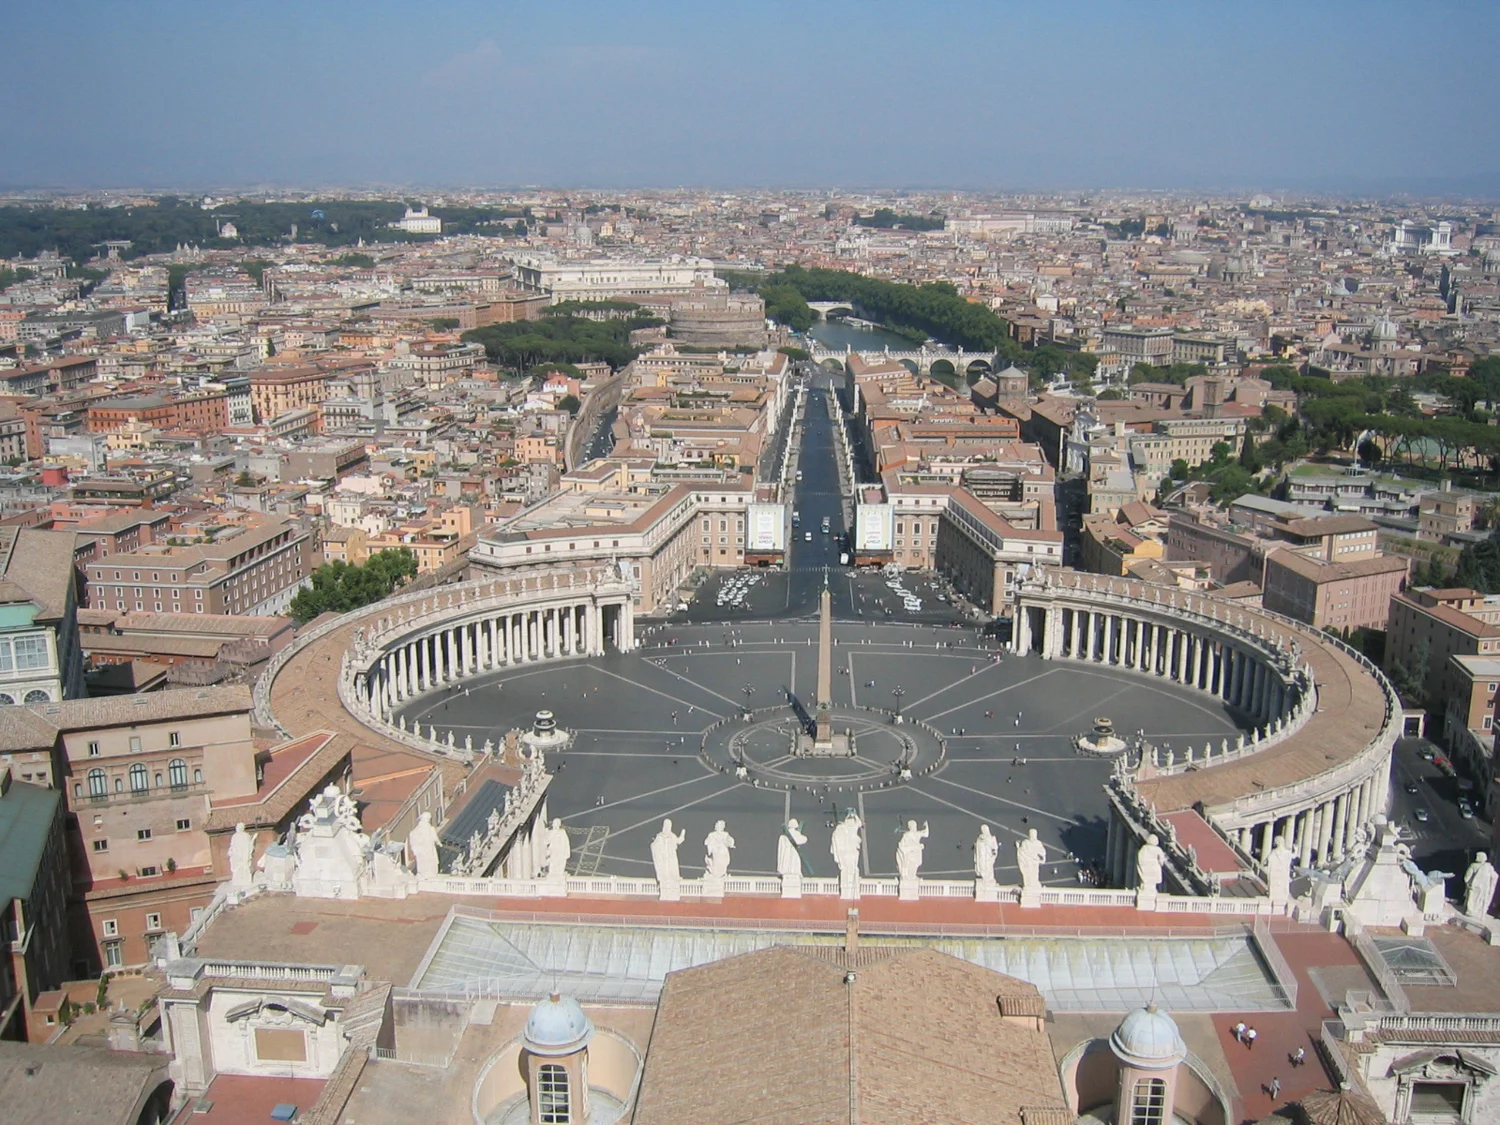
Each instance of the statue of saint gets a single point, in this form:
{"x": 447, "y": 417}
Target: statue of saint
{"x": 664, "y": 854}
{"x": 558, "y": 849}
{"x": 1479, "y": 886}
{"x": 909, "y": 850}
{"x": 845, "y": 848}
{"x": 1031, "y": 853}
{"x": 241, "y": 856}
{"x": 422, "y": 847}
{"x": 716, "y": 846}
{"x": 1149, "y": 862}
{"x": 1279, "y": 871}
{"x": 788, "y": 858}
{"x": 986, "y": 851}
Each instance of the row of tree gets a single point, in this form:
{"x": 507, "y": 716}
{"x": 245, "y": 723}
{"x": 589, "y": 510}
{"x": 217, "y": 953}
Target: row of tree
{"x": 523, "y": 344}
{"x": 886, "y": 219}
{"x": 25, "y": 230}
{"x": 338, "y": 587}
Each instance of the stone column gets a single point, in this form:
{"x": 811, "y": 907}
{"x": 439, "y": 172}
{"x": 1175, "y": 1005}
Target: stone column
{"x": 1266, "y": 839}
{"x": 1340, "y": 825}
{"x": 1076, "y": 634}
{"x": 1325, "y": 831}
{"x": 1304, "y": 837}
{"x": 1111, "y": 628}
{"x": 1090, "y": 622}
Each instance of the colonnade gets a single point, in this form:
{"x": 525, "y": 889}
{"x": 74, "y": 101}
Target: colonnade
{"x": 457, "y": 649}
{"x": 1174, "y": 650}
{"x": 1320, "y": 834}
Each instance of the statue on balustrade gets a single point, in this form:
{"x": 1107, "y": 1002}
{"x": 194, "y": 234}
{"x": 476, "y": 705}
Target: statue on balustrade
{"x": 1279, "y": 871}
{"x": 717, "y": 845}
{"x": 422, "y": 847}
{"x": 986, "y": 851}
{"x": 788, "y": 858}
{"x": 845, "y": 849}
{"x": 558, "y": 848}
{"x": 241, "y": 856}
{"x": 909, "y": 850}
{"x": 1479, "y": 886}
{"x": 1149, "y": 864}
{"x": 664, "y": 855}
{"x": 1031, "y": 853}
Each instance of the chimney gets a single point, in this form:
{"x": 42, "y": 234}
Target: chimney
{"x": 851, "y": 932}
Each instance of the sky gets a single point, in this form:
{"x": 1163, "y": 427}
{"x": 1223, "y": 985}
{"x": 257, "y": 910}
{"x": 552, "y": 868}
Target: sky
{"x": 1324, "y": 97}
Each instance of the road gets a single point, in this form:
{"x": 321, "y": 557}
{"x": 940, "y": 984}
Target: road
{"x": 1446, "y": 841}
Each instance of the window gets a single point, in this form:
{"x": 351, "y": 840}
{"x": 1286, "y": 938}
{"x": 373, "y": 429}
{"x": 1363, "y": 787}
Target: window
{"x": 113, "y": 957}
{"x": 552, "y": 1095}
{"x": 98, "y": 787}
{"x": 183, "y": 824}
{"x": 177, "y": 771}
{"x": 135, "y": 744}
{"x": 1148, "y": 1102}
{"x": 1438, "y": 1099}
{"x": 101, "y": 845}
{"x": 139, "y": 779}
{"x": 110, "y": 927}
{"x": 143, "y": 833}
{"x": 174, "y": 738}
{"x": 197, "y": 777}
{"x": 153, "y": 922}
{"x": 148, "y": 870}
{"x": 93, "y": 749}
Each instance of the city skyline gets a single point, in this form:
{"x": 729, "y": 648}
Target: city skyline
{"x": 1365, "y": 99}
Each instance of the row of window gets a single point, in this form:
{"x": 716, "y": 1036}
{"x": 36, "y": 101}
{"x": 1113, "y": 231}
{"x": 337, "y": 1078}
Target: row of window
{"x": 21, "y": 654}
{"x": 174, "y": 738}
{"x": 184, "y": 824}
{"x": 35, "y": 695}
{"x": 141, "y": 780}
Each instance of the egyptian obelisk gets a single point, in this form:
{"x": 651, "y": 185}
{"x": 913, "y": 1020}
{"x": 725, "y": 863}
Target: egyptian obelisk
{"x": 823, "y": 728}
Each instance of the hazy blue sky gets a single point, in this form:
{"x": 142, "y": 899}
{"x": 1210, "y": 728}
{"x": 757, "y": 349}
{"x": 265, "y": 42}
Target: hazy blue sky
{"x": 1321, "y": 95}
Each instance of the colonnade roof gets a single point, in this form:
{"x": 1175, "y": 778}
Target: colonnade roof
{"x": 1350, "y": 714}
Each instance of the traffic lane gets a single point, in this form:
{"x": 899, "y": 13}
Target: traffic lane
{"x": 1446, "y": 840}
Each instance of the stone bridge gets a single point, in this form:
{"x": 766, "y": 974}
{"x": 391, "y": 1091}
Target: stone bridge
{"x": 823, "y": 308}
{"x": 937, "y": 362}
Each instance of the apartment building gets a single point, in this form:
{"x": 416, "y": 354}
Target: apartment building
{"x": 35, "y": 952}
{"x": 437, "y": 365}
{"x": 40, "y": 658}
{"x": 1182, "y": 439}
{"x": 278, "y": 391}
{"x": 254, "y": 567}
{"x": 1351, "y": 594}
{"x": 1428, "y": 627}
{"x": 204, "y": 410}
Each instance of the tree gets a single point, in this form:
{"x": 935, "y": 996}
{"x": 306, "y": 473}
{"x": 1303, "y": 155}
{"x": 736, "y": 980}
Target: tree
{"x": 1369, "y": 452}
{"x": 569, "y": 403}
{"x": 1249, "y": 458}
{"x": 1479, "y": 565}
{"x": 244, "y": 480}
{"x": 338, "y": 587}
{"x": 801, "y": 355}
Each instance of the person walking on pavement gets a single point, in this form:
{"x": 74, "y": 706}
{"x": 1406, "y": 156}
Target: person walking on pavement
{"x": 1249, "y": 1038}
{"x": 1299, "y": 1056}
{"x": 1239, "y": 1031}
{"x": 1275, "y": 1088}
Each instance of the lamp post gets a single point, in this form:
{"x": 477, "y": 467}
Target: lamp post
{"x": 898, "y": 691}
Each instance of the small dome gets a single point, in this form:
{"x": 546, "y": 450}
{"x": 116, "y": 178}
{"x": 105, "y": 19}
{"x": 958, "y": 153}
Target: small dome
{"x": 557, "y": 1026}
{"x": 1148, "y": 1038}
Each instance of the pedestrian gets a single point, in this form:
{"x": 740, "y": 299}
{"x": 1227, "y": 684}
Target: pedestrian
{"x": 1239, "y": 1031}
{"x": 1299, "y": 1056}
{"x": 1249, "y": 1038}
{"x": 1275, "y": 1088}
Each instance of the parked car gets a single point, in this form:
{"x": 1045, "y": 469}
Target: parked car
{"x": 1465, "y": 810}
{"x": 1411, "y": 787}
{"x": 1422, "y": 814}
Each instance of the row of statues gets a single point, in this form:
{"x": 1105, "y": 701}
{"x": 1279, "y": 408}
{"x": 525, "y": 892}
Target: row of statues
{"x": 846, "y": 845}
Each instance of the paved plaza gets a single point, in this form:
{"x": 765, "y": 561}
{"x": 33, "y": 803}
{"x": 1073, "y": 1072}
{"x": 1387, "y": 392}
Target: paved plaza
{"x": 996, "y": 730}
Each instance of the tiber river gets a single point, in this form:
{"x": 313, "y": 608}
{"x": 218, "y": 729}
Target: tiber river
{"x": 838, "y": 335}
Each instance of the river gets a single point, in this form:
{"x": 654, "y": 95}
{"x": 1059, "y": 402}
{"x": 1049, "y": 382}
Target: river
{"x": 838, "y": 335}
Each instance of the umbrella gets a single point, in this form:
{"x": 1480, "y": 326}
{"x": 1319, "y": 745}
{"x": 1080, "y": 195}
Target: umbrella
{"x": 1341, "y": 1107}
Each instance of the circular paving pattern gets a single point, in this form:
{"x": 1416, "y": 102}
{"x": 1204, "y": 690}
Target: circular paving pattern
{"x": 988, "y": 737}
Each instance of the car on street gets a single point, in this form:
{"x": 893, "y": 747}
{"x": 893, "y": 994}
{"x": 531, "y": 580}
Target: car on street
{"x": 1465, "y": 809}
{"x": 1422, "y": 814}
{"x": 1411, "y": 787}
{"x": 1426, "y": 753}
{"x": 807, "y": 536}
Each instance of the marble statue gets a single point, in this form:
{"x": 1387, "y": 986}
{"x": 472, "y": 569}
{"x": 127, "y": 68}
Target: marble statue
{"x": 986, "y": 851}
{"x": 909, "y": 851}
{"x": 664, "y": 858}
{"x": 241, "y": 856}
{"x": 1279, "y": 871}
{"x": 1149, "y": 862}
{"x": 422, "y": 847}
{"x": 717, "y": 845}
{"x": 788, "y": 858}
{"x": 1479, "y": 886}
{"x": 1031, "y": 853}
{"x": 558, "y": 848}
{"x": 845, "y": 847}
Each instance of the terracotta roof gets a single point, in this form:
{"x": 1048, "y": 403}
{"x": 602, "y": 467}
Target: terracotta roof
{"x": 826, "y": 1048}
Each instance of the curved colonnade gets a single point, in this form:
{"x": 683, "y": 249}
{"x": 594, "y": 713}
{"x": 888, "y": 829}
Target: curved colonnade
{"x": 1324, "y": 719}
{"x": 403, "y": 647}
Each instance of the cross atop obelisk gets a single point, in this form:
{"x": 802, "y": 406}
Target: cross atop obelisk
{"x": 823, "y": 732}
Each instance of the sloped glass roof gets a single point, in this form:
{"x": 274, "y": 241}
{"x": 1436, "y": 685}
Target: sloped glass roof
{"x": 480, "y": 955}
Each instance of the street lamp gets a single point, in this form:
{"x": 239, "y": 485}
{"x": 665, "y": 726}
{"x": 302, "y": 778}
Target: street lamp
{"x": 749, "y": 691}
{"x": 898, "y": 691}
